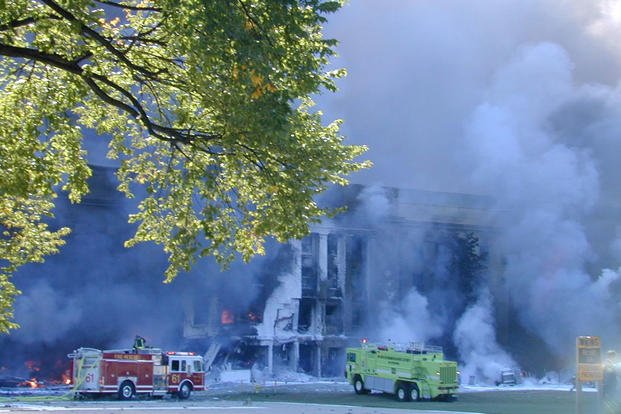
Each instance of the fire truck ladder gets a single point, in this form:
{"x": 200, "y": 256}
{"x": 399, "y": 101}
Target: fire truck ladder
{"x": 211, "y": 354}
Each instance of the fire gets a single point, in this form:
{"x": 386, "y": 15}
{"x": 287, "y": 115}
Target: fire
{"x": 227, "y": 318}
{"x": 32, "y": 383}
{"x": 66, "y": 378}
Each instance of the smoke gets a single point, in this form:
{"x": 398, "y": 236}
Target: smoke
{"x": 411, "y": 320}
{"x": 96, "y": 293}
{"x": 416, "y": 293}
{"x": 399, "y": 318}
{"x": 40, "y": 299}
{"x": 374, "y": 207}
{"x": 546, "y": 189}
{"x": 417, "y": 69}
{"x": 476, "y": 340}
{"x": 518, "y": 100}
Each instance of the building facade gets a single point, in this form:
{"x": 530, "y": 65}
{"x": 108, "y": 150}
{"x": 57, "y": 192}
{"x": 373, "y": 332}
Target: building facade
{"x": 341, "y": 277}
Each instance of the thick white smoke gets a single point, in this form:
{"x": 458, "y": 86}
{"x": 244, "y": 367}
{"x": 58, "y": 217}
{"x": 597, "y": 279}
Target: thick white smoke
{"x": 545, "y": 188}
{"x": 410, "y": 320}
{"x": 476, "y": 339}
{"x": 400, "y": 318}
{"x": 518, "y": 100}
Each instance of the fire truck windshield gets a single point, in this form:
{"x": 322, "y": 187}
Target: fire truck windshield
{"x": 177, "y": 365}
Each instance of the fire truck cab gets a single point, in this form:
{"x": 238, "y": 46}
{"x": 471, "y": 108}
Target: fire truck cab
{"x": 128, "y": 372}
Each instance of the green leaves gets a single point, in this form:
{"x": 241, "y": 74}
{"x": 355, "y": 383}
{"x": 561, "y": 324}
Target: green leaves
{"x": 201, "y": 101}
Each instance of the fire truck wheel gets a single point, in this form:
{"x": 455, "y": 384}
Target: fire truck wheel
{"x": 184, "y": 391}
{"x": 402, "y": 393}
{"x": 359, "y": 385}
{"x": 126, "y": 390}
{"x": 414, "y": 393}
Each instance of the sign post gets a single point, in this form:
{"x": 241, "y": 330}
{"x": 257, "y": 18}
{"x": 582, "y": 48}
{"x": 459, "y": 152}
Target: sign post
{"x": 588, "y": 366}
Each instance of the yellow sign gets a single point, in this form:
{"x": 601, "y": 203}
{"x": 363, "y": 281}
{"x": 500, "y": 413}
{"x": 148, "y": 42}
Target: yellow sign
{"x": 588, "y": 359}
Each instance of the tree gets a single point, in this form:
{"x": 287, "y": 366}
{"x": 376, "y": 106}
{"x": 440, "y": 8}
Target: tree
{"x": 207, "y": 108}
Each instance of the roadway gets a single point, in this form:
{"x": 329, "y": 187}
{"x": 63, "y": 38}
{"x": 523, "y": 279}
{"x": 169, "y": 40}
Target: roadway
{"x": 222, "y": 407}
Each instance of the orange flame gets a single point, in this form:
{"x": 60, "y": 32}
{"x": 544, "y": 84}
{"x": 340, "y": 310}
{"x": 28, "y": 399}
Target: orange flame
{"x": 66, "y": 378}
{"x": 227, "y": 318}
{"x": 32, "y": 383}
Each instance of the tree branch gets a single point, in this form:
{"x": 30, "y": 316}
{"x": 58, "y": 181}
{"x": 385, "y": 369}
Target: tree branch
{"x": 136, "y": 110}
{"x": 162, "y": 132}
{"x": 14, "y": 24}
{"x": 17, "y": 23}
{"x": 50, "y": 58}
{"x": 128, "y": 7}
{"x": 88, "y": 32}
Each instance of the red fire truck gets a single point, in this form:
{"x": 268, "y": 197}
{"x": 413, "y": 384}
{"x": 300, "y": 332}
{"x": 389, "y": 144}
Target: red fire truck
{"x": 128, "y": 372}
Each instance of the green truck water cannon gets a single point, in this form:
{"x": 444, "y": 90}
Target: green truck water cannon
{"x": 411, "y": 372}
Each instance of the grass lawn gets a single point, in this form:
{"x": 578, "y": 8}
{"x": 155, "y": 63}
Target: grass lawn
{"x": 492, "y": 402}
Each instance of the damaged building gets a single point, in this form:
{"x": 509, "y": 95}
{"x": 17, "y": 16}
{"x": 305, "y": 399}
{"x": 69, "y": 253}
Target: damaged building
{"x": 394, "y": 256}
{"x": 336, "y": 285}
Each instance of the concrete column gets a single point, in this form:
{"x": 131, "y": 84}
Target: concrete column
{"x": 322, "y": 264}
{"x": 317, "y": 362}
{"x": 294, "y": 355}
{"x": 319, "y": 312}
{"x": 344, "y": 281}
{"x": 341, "y": 257}
{"x": 295, "y": 311}
{"x": 322, "y": 256}
{"x": 270, "y": 358}
{"x": 502, "y": 298}
{"x": 296, "y": 272}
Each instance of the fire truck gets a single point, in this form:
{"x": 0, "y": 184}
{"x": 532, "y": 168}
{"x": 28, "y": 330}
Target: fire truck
{"x": 410, "y": 372}
{"x": 129, "y": 372}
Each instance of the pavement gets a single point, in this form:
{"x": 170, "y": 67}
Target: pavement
{"x": 217, "y": 400}
{"x": 211, "y": 408}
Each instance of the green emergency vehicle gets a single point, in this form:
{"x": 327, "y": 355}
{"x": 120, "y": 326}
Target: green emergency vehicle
{"x": 411, "y": 372}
